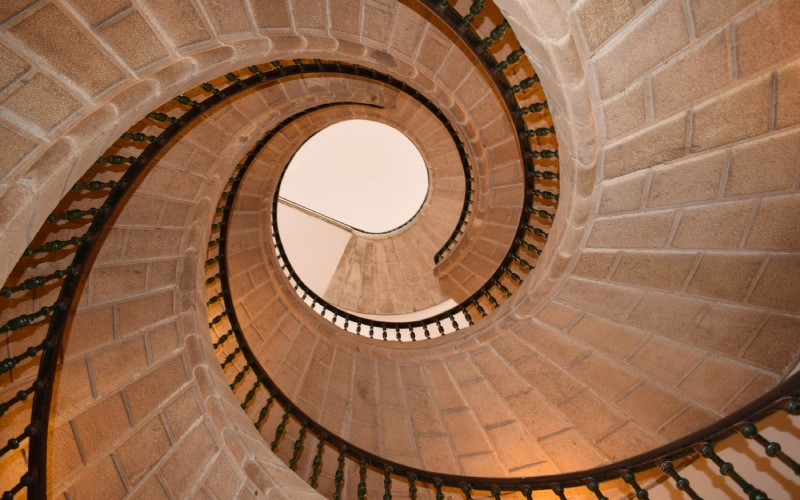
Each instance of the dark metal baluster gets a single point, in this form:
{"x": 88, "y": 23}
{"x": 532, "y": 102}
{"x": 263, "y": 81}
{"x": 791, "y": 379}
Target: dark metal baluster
{"x": 223, "y": 338}
{"x": 496, "y": 492}
{"x": 528, "y": 246}
{"x": 495, "y": 35}
{"x": 440, "y": 327}
{"x": 630, "y": 478}
{"x": 492, "y": 300}
{"x": 15, "y": 442}
{"x": 397, "y": 332}
{"x": 412, "y": 488}
{"x": 262, "y": 415}
{"x": 229, "y": 358}
{"x": 239, "y": 376}
{"x": 437, "y": 484}
{"x": 594, "y": 487}
{"x": 533, "y": 108}
{"x": 510, "y": 59}
{"x": 527, "y": 492}
{"x": 316, "y": 464}
{"x": 279, "y": 431}
{"x": 726, "y": 469}
{"x": 362, "y": 483}
{"x": 20, "y": 396}
{"x": 425, "y": 331}
{"x": 524, "y": 84}
{"x": 70, "y": 215}
{"x": 387, "y": 483}
{"x": 9, "y": 363}
{"x": 772, "y": 449}
{"x": 216, "y": 319}
{"x": 474, "y": 10}
{"x": 681, "y": 482}
{"x": 467, "y": 489}
{"x": 250, "y": 395}
{"x": 522, "y": 262}
{"x": 454, "y": 322}
{"x": 559, "y": 491}
{"x": 25, "y": 319}
{"x": 339, "y": 477}
{"x": 298, "y": 447}
{"x": 53, "y": 246}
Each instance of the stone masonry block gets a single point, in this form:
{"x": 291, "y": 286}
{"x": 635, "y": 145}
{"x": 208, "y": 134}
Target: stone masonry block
{"x": 727, "y": 329}
{"x": 465, "y": 432}
{"x": 56, "y": 38}
{"x": 599, "y": 19}
{"x": 16, "y": 147}
{"x": 64, "y": 457}
{"x": 592, "y": 416}
{"x": 769, "y": 35}
{"x": 606, "y": 377}
{"x": 550, "y": 380}
{"x": 601, "y": 298}
{"x": 625, "y": 111}
{"x": 741, "y": 113}
{"x": 724, "y": 276}
{"x": 90, "y": 329}
{"x": 659, "y": 143}
{"x": 228, "y": 17}
{"x": 713, "y": 226}
{"x": 776, "y": 345}
{"x": 94, "y": 438}
{"x": 41, "y": 102}
{"x": 689, "y": 420}
{"x": 622, "y": 194}
{"x": 537, "y": 414}
{"x": 778, "y": 285}
{"x": 649, "y": 230}
{"x": 664, "y": 360}
{"x": 570, "y": 451}
{"x": 657, "y": 270}
{"x": 154, "y": 387}
{"x": 654, "y": 38}
{"x": 143, "y": 449}
{"x": 628, "y": 440}
{"x": 695, "y": 179}
{"x": 710, "y": 15}
{"x": 696, "y": 72}
{"x": 147, "y": 49}
{"x": 192, "y": 453}
{"x": 180, "y": 21}
{"x": 765, "y": 165}
{"x": 119, "y": 364}
{"x": 145, "y": 311}
{"x": 775, "y": 224}
{"x": 715, "y": 381}
{"x": 557, "y": 314}
{"x": 13, "y": 66}
{"x": 395, "y": 431}
{"x": 608, "y": 336}
{"x": 99, "y": 480}
{"x": 554, "y": 345}
{"x": 98, "y": 11}
{"x": 788, "y": 99}
{"x": 651, "y": 405}
{"x": 182, "y": 412}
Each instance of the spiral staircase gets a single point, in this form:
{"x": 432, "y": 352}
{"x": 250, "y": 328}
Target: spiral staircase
{"x": 613, "y": 207}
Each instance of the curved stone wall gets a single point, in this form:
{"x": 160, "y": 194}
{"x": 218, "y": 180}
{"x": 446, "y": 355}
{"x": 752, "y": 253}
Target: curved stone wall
{"x": 674, "y": 256}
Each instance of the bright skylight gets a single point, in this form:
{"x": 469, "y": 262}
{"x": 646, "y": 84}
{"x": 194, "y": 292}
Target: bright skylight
{"x": 363, "y": 173}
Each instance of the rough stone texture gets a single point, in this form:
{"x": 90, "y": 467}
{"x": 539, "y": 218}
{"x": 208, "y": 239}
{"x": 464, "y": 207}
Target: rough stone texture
{"x": 55, "y": 37}
{"x": 675, "y": 341}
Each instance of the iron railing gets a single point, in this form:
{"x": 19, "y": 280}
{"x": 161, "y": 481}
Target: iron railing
{"x": 250, "y": 383}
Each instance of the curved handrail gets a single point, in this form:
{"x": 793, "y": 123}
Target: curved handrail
{"x": 699, "y": 443}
